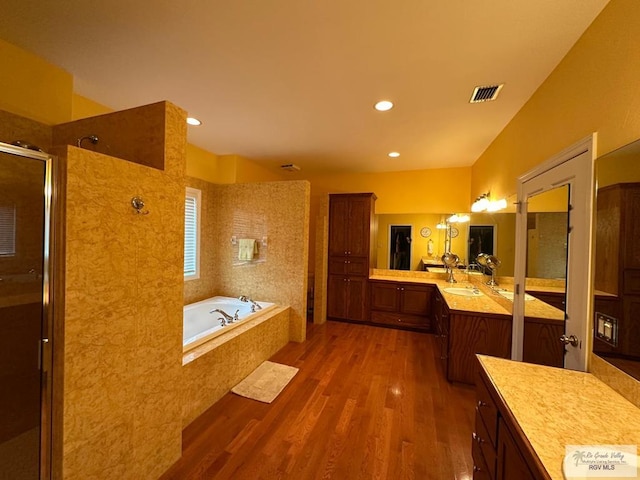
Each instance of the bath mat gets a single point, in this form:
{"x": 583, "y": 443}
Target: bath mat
{"x": 266, "y": 382}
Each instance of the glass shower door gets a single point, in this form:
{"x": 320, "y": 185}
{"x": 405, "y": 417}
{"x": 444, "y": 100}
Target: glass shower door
{"x": 23, "y": 263}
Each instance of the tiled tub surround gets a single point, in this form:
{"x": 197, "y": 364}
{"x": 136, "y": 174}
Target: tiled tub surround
{"x": 210, "y": 370}
{"x": 201, "y": 323}
{"x": 569, "y": 408}
{"x": 279, "y": 208}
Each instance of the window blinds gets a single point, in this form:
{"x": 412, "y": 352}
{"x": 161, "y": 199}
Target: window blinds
{"x": 191, "y": 233}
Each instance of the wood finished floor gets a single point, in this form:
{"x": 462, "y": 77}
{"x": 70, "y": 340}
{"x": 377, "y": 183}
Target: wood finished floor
{"x": 367, "y": 403}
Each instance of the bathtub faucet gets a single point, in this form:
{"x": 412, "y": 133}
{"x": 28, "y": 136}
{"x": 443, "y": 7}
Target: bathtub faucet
{"x": 254, "y": 305}
{"x": 228, "y": 318}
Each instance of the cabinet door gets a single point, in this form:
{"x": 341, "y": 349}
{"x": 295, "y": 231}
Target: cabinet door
{"x": 356, "y": 298}
{"x": 359, "y": 226}
{"x": 511, "y": 465}
{"x": 415, "y": 299}
{"x": 337, "y": 296}
{"x": 384, "y": 296}
{"x": 338, "y": 225}
{"x": 542, "y": 342}
{"x": 631, "y": 233}
{"x": 629, "y": 329}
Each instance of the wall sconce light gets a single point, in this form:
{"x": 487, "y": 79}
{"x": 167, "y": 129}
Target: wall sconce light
{"x": 461, "y": 218}
{"x": 483, "y": 204}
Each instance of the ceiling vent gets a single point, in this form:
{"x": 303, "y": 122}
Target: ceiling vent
{"x": 485, "y": 94}
{"x": 290, "y": 167}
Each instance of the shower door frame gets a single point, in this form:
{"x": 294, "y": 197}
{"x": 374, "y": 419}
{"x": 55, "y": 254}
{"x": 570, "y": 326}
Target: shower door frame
{"x": 50, "y": 193}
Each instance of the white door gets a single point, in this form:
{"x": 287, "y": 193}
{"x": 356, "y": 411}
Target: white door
{"x": 567, "y": 177}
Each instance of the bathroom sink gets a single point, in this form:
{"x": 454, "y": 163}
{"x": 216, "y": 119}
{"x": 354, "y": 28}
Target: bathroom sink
{"x": 464, "y": 292}
{"x": 509, "y": 295}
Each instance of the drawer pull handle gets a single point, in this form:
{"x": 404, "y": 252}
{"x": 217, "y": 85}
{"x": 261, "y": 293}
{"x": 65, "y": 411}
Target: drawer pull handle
{"x": 477, "y": 438}
{"x": 481, "y": 404}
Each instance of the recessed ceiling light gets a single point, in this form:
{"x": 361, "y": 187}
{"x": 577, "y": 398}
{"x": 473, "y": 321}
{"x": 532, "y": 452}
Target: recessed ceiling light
{"x": 393, "y": 154}
{"x": 383, "y": 105}
{"x": 193, "y": 121}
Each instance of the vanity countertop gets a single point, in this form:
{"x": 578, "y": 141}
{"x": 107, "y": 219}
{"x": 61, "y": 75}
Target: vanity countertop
{"x": 556, "y": 407}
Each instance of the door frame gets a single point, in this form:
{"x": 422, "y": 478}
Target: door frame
{"x": 389, "y": 237}
{"x": 574, "y": 165}
{"x": 50, "y": 257}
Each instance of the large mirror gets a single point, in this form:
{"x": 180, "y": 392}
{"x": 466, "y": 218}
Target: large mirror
{"x": 617, "y": 259}
{"x": 429, "y": 238}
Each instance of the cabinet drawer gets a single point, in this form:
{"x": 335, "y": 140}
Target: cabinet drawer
{"x": 397, "y": 319}
{"x": 480, "y": 469}
{"x": 482, "y": 441}
{"x": 348, "y": 266}
{"x": 487, "y": 410}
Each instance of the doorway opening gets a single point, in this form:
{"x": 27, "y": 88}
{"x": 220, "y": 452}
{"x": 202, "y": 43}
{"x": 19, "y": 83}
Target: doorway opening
{"x": 400, "y": 247}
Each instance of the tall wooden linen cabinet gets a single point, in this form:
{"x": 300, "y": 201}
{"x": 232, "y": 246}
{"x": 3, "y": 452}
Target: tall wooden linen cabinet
{"x": 351, "y": 254}
{"x": 618, "y": 266}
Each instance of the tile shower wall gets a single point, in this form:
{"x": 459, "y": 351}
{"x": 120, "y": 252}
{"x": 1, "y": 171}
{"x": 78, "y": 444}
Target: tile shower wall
{"x": 279, "y": 211}
{"x": 122, "y": 348}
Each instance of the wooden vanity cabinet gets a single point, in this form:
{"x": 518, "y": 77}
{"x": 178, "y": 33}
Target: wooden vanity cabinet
{"x": 498, "y": 447}
{"x": 401, "y": 304}
{"x": 541, "y": 342}
{"x": 441, "y": 328}
{"x": 351, "y": 228}
{"x": 347, "y": 297}
{"x": 475, "y": 333}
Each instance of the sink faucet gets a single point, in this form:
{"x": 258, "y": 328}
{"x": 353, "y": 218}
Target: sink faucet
{"x": 228, "y": 318}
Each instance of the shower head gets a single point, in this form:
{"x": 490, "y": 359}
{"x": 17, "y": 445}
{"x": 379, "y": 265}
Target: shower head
{"x": 92, "y": 138}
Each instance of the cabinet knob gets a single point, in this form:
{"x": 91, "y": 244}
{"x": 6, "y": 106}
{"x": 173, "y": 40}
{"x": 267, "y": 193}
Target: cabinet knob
{"x": 476, "y": 469}
{"x": 481, "y": 404}
{"x": 345, "y": 261}
{"x": 477, "y": 438}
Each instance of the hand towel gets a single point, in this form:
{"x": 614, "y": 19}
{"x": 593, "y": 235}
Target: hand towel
{"x": 247, "y": 248}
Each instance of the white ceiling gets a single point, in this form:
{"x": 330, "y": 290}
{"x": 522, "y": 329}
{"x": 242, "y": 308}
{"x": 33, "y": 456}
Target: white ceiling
{"x": 295, "y": 80}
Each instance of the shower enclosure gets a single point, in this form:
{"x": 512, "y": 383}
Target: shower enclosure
{"x": 25, "y": 349}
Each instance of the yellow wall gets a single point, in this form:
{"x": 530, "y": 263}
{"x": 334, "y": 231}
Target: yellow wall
{"x": 594, "y": 88}
{"x": 83, "y": 107}
{"x": 417, "y": 191}
{"x": 34, "y": 88}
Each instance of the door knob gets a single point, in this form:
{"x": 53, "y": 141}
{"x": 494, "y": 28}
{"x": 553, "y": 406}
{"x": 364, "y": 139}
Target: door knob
{"x": 569, "y": 340}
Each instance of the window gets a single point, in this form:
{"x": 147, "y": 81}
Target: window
{"x": 192, "y": 234}
{"x": 7, "y": 231}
